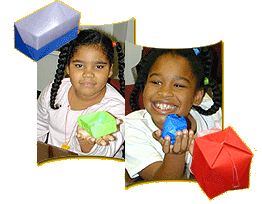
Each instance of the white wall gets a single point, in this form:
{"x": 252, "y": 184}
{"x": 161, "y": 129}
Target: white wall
{"x": 46, "y": 68}
{"x": 133, "y": 56}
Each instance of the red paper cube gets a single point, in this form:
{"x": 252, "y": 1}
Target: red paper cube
{"x": 221, "y": 162}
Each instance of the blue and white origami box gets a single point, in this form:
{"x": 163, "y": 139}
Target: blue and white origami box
{"x": 46, "y": 30}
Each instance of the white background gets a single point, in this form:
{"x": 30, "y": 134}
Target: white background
{"x": 158, "y": 24}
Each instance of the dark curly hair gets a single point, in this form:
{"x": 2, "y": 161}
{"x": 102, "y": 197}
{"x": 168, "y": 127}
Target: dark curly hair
{"x": 201, "y": 65}
{"x": 87, "y": 37}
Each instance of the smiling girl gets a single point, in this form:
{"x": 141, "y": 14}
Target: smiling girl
{"x": 173, "y": 81}
{"x": 88, "y": 60}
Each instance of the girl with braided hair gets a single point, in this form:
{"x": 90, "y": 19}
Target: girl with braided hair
{"x": 88, "y": 60}
{"x": 173, "y": 81}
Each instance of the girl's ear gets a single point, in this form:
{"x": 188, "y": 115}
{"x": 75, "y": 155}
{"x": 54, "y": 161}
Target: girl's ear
{"x": 198, "y": 97}
{"x": 110, "y": 73}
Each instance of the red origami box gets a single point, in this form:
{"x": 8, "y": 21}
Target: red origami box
{"x": 221, "y": 162}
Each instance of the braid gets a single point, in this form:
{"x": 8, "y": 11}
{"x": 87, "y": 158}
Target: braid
{"x": 133, "y": 100}
{"x": 143, "y": 69}
{"x": 217, "y": 99}
{"x": 207, "y": 59}
{"x": 62, "y": 61}
{"x": 121, "y": 67}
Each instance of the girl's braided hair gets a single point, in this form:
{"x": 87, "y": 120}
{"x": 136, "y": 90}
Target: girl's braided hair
{"x": 201, "y": 65}
{"x": 87, "y": 37}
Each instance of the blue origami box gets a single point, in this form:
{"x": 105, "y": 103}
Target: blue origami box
{"x": 173, "y": 123}
{"x": 46, "y": 30}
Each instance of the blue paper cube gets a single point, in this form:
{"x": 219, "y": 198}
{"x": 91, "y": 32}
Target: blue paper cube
{"x": 46, "y": 30}
{"x": 173, "y": 123}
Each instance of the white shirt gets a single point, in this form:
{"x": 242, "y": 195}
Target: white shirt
{"x": 142, "y": 149}
{"x": 53, "y": 121}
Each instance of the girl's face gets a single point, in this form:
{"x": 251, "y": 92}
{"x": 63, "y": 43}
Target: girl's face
{"x": 170, "y": 89}
{"x": 89, "y": 70}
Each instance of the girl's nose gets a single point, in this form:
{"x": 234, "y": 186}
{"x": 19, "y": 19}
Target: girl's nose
{"x": 88, "y": 73}
{"x": 165, "y": 92}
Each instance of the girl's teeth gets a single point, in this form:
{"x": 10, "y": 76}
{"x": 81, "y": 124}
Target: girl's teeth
{"x": 164, "y": 106}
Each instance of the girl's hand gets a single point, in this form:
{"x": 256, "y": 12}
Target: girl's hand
{"x": 83, "y": 135}
{"x": 184, "y": 142}
{"x": 104, "y": 141}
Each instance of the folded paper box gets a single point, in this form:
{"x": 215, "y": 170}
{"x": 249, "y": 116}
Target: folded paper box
{"x": 98, "y": 124}
{"x": 173, "y": 123}
{"x": 46, "y": 30}
{"x": 221, "y": 162}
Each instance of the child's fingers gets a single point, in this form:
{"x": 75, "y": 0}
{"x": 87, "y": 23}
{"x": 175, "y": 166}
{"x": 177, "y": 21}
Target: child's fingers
{"x": 82, "y": 132}
{"x": 191, "y": 145}
{"x": 111, "y": 137}
{"x": 177, "y": 144}
{"x": 91, "y": 140}
{"x": 190, "y": 138}
{"x": 80, "y": 136}
{"x": 104, "y": 141}
{"x": 119, "y": 121}
{"x": 191, "y": 148}
{"x": 157, "y": 136}
{"x": 184, "y": 141}
{"x": 166, "y": 144}
{"x": 108, "y": 138}
{"x": 101, "y": 142}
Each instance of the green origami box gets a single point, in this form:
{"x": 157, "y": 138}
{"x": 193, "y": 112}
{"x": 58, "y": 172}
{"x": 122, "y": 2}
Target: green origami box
{"x": 98, "y": 124}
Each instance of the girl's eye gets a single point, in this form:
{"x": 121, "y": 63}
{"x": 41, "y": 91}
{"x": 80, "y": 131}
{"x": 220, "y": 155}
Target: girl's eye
{"x": 156, "y": 82}
{"x": 79, "y": 65}
{"x": 99, "y": 66}
{"x": 179, "y": 86}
